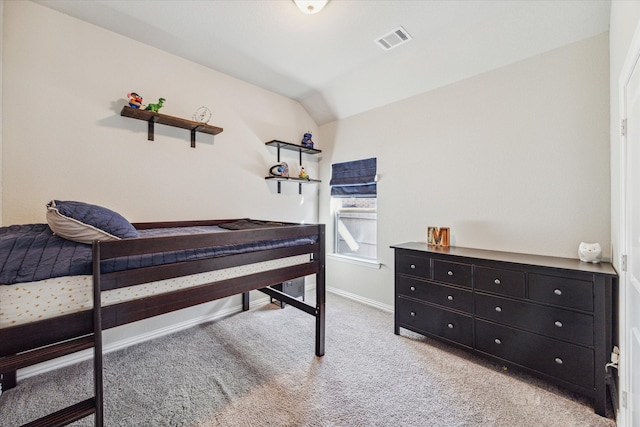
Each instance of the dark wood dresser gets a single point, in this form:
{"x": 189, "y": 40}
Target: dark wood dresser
{"x": 553, "y": 317}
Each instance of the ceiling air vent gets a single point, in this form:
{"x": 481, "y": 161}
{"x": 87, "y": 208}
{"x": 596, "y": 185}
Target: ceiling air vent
{"x": 393, "y": 39}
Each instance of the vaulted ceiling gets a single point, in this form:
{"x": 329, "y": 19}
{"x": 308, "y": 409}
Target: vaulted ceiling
{"x": 330, "y": 62}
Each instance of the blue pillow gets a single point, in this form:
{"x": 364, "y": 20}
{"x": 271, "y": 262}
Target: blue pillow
{"x": 84, "y": 223}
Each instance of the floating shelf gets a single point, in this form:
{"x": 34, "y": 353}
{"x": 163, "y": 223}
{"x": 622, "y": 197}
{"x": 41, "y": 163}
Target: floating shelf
{"x": 163, "y": 119}
{"x": 293, "y": 179}
{"x": 292, "y": 147}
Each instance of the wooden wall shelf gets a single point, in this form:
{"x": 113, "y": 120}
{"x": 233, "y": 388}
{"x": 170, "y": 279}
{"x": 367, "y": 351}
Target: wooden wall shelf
{"x": 163, "y": 119}
{"x": 292, "y": 147}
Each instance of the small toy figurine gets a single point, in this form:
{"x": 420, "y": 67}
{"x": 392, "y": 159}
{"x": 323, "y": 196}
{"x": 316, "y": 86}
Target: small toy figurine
{"x": 303, "y": 173}
{"x": 135, "y": 100}
{"x": 306, "y": 140}
{"x": 281, "y": 169}
{"x": 156, "y": 107}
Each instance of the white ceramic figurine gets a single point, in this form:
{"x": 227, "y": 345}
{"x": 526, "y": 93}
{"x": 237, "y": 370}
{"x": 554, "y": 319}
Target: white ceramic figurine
{"x": 590, "y": 252}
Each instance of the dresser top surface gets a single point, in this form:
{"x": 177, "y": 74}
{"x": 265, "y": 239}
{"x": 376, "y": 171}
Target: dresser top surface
{"x": 511, "y": 257}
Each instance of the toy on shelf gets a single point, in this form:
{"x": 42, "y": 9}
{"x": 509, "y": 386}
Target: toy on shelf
{"x": 135, "y": 100}
{"x": 156, "y": 107}
{"x": 303, "y": 173}
{"x": 306, "y": 140}
{"x": 281, "y": 169}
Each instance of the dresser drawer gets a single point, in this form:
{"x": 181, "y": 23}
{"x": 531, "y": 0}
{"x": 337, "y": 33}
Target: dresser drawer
{"x": 561, "y": 291}
{"x": 436, "y": 321}
{"x": 452, "y": 272}
{"x": 556, "y": 358}
{"x": 413, "y": 265}
{"x": 554, "y": 322}
{"x": 504, "y": 282}
{"x": 446, "y": 296}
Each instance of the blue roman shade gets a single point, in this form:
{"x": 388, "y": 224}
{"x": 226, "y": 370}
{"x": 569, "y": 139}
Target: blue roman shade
{"x": 354, "y": 179}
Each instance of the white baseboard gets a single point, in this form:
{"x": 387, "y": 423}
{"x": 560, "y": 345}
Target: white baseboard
{"x": 358, "y": 298}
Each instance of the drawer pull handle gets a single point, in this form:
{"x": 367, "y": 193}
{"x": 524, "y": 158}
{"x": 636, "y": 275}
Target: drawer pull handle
{"x": 450, "y": 297}
{"x": 450, "y": 325}
{"x": 558, "y": 324}
{"x": 557, "y": 292}
{"x": 413, "y": 314}
{"x": 498, "y": 341}
{"x": 413, "y": 288}
{"x": 413, "y": 266}
{"x": 559, "y": 361}
{"x": 450, "y": 273}
{"x": 498, "y": 309}
{"x": 497, "y": 281}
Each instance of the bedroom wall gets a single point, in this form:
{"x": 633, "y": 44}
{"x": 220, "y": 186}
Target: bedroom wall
{"x": 65, "y": 82}
{"x": 516, "y": 159}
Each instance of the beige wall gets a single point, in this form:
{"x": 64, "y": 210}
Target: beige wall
{"x": 516, "y": 159}
{"x": 64, "y": 83}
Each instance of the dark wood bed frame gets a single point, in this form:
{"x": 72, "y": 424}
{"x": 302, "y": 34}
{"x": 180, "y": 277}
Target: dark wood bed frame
{"x": 28, "y": 344}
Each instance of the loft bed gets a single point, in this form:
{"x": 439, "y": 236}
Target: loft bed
{"x": 217, "y": 258}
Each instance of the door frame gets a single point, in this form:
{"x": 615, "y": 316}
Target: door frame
{"x": 625, "y": 364}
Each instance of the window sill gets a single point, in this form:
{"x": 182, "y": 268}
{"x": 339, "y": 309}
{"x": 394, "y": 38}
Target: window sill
{"x": 358, "y": 261}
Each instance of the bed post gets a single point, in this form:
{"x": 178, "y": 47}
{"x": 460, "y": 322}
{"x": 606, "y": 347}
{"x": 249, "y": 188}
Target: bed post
{"x": 320, "y": 296}
{"x": 245, "y": 301}
{"x": 8, "y": 380}
{"x": 97, "y": 337}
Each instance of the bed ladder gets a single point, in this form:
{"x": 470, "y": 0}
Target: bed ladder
{"x": 92, "y": 405}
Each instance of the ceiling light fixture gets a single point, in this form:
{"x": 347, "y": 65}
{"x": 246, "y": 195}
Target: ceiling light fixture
{"x": 310, "y": 6}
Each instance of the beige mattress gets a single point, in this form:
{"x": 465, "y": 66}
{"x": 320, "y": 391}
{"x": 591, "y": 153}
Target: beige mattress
{"x": 28, "y": 302}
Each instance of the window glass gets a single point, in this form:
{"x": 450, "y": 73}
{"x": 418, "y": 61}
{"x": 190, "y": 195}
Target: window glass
{"x": 356, "y": 227}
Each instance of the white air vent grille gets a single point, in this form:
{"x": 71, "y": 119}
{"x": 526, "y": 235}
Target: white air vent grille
{"x": 393, "y": 39}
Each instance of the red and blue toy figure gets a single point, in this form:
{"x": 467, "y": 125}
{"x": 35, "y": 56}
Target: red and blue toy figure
{"x": 135, "y": 100}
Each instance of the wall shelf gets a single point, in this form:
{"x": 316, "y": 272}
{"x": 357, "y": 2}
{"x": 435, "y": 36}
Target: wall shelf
{"x": 292, "y": 147}
{"x": 163, "y": 119}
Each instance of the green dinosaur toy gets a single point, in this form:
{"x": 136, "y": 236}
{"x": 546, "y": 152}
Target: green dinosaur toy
{"x": 156, "y": 107}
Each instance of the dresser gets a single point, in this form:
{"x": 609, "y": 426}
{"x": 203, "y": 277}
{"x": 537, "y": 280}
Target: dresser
{"x": 552, "y": 317}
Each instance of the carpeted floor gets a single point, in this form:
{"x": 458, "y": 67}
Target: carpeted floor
{"x": 259, "y": 369}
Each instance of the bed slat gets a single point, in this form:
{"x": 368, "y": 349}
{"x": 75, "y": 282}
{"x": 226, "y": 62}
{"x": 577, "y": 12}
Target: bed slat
{"x": 11, "y": 363}
{"x": 128, "y": 247}
{"x": 66, "y": 416}
{"x": 120, "y": 279}
{"x": 16, "y": 339}
{"x": 131, "y": 311}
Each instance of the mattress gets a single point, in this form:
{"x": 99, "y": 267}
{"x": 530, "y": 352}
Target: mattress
{"x": 32, "y": 301}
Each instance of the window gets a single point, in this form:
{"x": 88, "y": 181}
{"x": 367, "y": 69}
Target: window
{"x": 354, "y": 192}
{"x": 356, "y": 227}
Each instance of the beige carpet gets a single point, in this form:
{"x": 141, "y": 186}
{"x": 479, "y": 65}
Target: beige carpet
{"x": 258, "y": 369}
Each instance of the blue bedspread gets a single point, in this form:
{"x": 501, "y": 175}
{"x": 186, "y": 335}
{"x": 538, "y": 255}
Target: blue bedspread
{"x": 31, "y": 252}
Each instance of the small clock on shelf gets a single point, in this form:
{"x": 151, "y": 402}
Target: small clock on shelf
{"x": 202, "y": 115}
